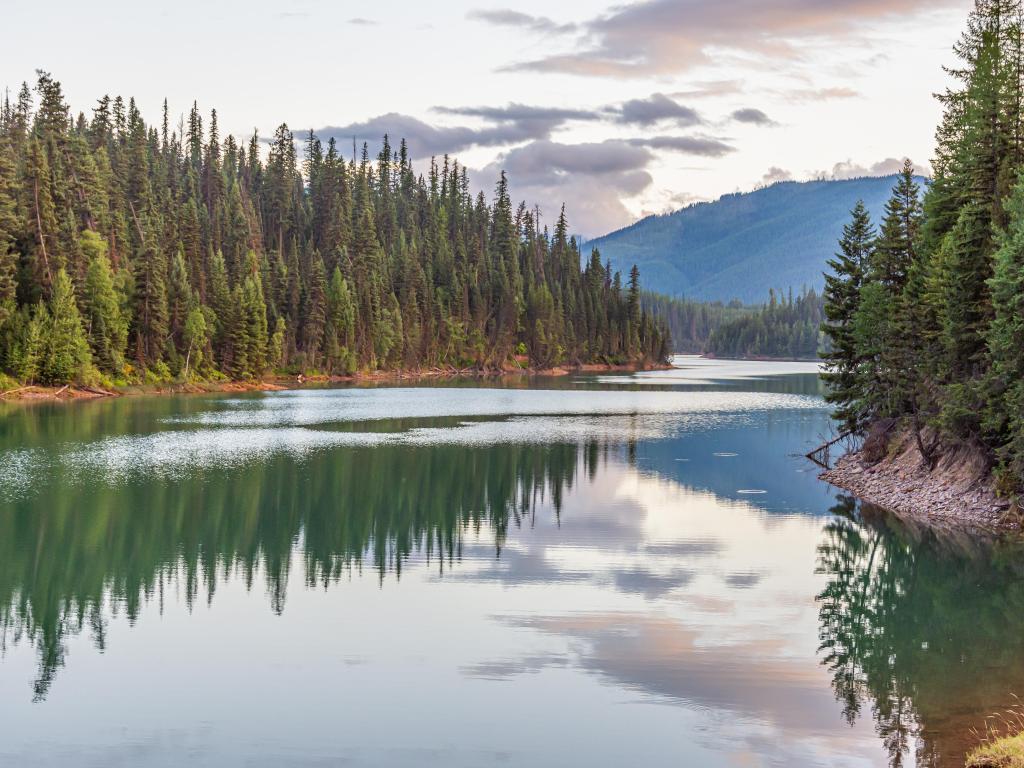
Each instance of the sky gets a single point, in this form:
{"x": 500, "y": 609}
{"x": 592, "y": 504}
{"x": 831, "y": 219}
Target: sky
{"x": 619, "y": 110}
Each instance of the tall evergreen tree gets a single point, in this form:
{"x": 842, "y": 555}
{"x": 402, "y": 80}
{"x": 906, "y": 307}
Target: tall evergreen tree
{"x": 842, "y": 301}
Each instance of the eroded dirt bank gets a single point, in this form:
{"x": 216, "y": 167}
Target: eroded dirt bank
{"x": 889, "y": 471}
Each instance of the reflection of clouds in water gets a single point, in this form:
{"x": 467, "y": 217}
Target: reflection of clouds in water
{"x": 691, "y": 614}
{"x": 505, "y": 670}
{"x": 743, "y": 580}
{"x": 514, "y": 567}
{"x": 781, "y": 702}
{"x": 650, "y": 585}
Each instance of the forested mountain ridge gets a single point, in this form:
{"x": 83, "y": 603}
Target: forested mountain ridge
{"x": 129, "y": 252}
{"x": 925, "y": 312}
{"x": 743, "y": 245}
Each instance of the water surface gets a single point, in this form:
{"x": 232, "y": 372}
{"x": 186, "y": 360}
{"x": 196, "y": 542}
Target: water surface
{"x": 601, "y": 571}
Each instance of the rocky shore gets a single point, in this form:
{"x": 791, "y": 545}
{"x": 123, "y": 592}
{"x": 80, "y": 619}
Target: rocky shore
{"x": 958, "y": 492}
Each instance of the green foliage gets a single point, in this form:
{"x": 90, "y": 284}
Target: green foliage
{"x": 927, "y": 322}
{"x": 107, "y": 328}
{"x": 788, "y": 329}
{"x": 843, "y": 290}
{"x": 190, "y": 254}
{"x": 196, "y": 338}
{"x": 65, "y": 349}
{"x": 691, "y": 323}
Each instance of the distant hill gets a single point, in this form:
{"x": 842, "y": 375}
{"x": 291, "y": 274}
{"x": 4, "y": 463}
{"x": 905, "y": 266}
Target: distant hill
{"x": 743, "y": 244}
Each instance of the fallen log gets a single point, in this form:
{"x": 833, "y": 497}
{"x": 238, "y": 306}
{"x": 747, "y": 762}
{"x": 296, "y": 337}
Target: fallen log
{"x": 98, "y": 391}
{"x": 823, "y": 451}
{"x": 16, "y": 391}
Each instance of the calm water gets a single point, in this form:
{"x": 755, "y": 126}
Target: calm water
{"x": 595, "y": 571}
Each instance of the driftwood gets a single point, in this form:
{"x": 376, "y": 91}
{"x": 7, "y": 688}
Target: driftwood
{"x": 98, "y": 391}
{"x": 820, "y": 455}
{"x": 16, "y": 391}
{"x": 61, "y": 391}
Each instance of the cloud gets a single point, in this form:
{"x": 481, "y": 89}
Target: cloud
{"x": 361, "y": 22}
{"x": 775, "y": 175}
{"x": 655, "y": 109}
{"x": 752, "y": 116}
{"x": 888, "y": 167}
{"x": 425, "y": 140}
{"x": 594, "y": 177}
{"x": 819, "y": 94}
{"x": 710, "y": 88}
{"x": 664, "y": 37}
{"x": 506, "y": 17}
{"x": 704, "y": 146}
{"x": 677, "y": 200}
{"x": 534, "y": 122}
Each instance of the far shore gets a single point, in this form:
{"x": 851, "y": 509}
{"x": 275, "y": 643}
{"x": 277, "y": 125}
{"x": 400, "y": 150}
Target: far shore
{"x": 30, "y": 393}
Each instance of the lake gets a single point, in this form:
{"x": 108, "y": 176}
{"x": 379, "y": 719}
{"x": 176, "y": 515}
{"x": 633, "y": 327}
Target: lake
{"x": 585, "y": 571}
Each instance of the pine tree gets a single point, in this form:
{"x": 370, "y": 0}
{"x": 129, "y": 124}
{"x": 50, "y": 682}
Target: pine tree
{"x": 8, "y": 232}
{"x": 339, "y": 337}
{"x": 315, "y": 313}
{"x": 1005, "y": 416}
{"x": 893, "y": 260}
{"x": 161, "y": 233}
{"x": 107, "y": 328}
{"x": 151, "y": 328}
{"x": 842, "y": 300}
{"x": 66, "y": 356}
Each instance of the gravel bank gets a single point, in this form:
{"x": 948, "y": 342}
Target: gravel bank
{"x": 957, "y": 493}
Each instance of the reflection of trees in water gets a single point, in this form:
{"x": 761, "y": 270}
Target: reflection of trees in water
{"x": 73, "y": 558}
{"x": 925, "y": 628}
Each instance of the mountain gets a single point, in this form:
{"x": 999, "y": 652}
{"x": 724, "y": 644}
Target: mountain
{"x": 743, "y": 244}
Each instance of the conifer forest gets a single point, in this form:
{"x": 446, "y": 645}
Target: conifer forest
{"x": 133, "y": 252}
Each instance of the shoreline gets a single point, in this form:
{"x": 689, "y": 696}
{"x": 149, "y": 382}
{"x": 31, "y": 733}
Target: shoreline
{"x": 959, "y": 493}
{"x": 31, "y": 393}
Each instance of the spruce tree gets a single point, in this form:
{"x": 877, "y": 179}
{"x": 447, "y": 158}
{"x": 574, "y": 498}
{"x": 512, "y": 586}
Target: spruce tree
{"x": 66, "y": 353}
{"x": 842, "y": 301}
{"x": 107, "y": 328}
{"x": 1005, "y": 414}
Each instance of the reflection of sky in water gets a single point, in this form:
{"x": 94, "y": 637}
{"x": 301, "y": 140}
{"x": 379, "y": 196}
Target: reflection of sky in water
{"x": 657, "y": 616}
{"x": 645, "y": 622}
{"x": 692, "y": 370}
{"x": 169, "y": 453}
{"x": 235, "y": 431}
{"x": 332, "y": 406}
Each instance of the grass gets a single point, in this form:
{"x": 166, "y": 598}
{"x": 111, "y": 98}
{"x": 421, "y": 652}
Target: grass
{"x": 1006, "y": 752}
{"x": 1002, "y": 744}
